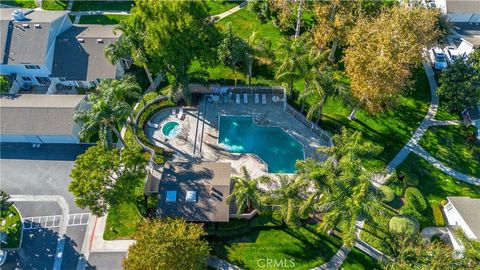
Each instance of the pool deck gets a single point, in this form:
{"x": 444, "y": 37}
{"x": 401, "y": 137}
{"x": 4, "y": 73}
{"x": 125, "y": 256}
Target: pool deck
{"x": 271, "y": 114}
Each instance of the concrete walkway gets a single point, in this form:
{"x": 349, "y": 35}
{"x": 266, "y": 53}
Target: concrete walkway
{"x": 99, "y": 12}
{"x": 229, "y": 12}
{"x": 413, "y": 146}
{"x": 221, "y": 264}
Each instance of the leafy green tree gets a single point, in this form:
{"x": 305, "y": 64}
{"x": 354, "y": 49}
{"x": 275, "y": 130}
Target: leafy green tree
{"x": 290, "y": 53}
{"x": 460, "y": 85}
{"x": 405, "y": 225}
{"x": 4, "y": 85}
{"x": 131, "y": 44}
{"x": 5, "y": 202}
{"x": 169, "y": 244}
{"x": 176, "y": 33}
{"x": 379, "y": 67}
{"x": 246, "y": 194}
{"x": 110, "y": 107}
{"x": 102, "y": 177}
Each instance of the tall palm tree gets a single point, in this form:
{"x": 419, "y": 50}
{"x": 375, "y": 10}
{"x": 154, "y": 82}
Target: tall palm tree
{"x": 131, "y": 44}
{"x": 256, "y": 47}
{"x": 290, "y": 53}
{"x": 245, "y": 193}
{"x": 311, "y": 63}
{"x": 326, "y": 83}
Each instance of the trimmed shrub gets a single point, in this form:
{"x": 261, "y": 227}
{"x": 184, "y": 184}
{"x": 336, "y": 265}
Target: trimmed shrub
{"x": 414, "y": 198}
{"x": 410, "y": 180}
{"x": 437, "y": 214}
{"x": 4, "y": 85}
{"x": 404, "y": 225}
{"x": 387, "y": 194}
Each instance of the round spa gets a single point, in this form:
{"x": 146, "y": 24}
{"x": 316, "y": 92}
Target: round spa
{"x": 171, "y": 129}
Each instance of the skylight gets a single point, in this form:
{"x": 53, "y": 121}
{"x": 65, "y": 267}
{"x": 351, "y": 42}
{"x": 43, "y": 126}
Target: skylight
{"x": 171, "y": 196}
{"x": 191, "y": 196}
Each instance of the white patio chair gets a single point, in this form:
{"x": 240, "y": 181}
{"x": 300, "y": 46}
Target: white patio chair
{"x": 245, "y": 98}
{"x": 257, "y": 98}
{"x": 237, "y": 98}
{"x": 152, "y": 125}
{"x": 180, "y": 114}
{"x": 264, "y": 99}
{"x": 174, "y": 111}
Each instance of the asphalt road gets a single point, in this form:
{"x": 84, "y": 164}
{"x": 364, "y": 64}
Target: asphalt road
{"x": 25, "y": 170}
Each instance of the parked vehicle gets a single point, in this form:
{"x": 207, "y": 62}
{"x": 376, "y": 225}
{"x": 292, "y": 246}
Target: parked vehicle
{"x": 438, "y": 58}
{"x": 3, "y": 256}
{"x": 452, "y": 54}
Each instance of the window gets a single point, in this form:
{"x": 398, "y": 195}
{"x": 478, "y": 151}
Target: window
{"x": 27, "y": 79}
{"x": 448, "y": 207}
{"x": 43, "y": 80}
{"x": 32, "y": 66}
{"x": 191, "y": 196}
{"x": 171, "y": 196}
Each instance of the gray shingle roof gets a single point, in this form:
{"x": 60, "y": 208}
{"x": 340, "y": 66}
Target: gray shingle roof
{"x": 38, "y": 114}
{"x": 84, "y": 60}
{"x": 29, "y": 44}
{"x": 183, "y": 177}
{"x": 469, "y": 209}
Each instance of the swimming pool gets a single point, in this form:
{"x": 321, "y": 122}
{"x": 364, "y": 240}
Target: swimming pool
{"x": 171, "y": 129}
{"x": 272, "y": 144}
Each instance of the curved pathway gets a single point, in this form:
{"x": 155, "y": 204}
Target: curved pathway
{"x": 229, "y": 12}
{"x": 413, "y": 146}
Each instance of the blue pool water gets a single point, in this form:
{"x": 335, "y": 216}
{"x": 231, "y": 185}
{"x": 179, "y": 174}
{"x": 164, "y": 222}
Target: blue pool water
{"x": 272, "y": 144}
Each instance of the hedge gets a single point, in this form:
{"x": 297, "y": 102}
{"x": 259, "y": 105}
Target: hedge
{"x": 387, "y": 194}
{"x": 413, "y": 197}
{"x": 404, "y": 225}
{"x": 410, "y": 180}
{"x": 437, "y": 214}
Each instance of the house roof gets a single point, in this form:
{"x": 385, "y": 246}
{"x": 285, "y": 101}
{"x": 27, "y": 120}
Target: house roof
{"x": 469, "y": 209}
{"x": 201, "y": 178}
{"x": 38, "y": 114}
{"x": 29, "y": 45}
{"x": 79, "y": 55}
{"x": 471, "y": 113}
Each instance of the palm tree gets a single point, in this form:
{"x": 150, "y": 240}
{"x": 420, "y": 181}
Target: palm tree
{"x": 311, "y": 63}
{"x": 245, "y": 193}
{"x": 290, "y": 53}
{"x": 131, "y": 44}
{"x": 326, "y": 83}
{"x": 256, "y": 47}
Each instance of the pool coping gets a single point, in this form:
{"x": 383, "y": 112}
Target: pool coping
{"x": 166, "y": 122}
{"x": 254, "y": 154}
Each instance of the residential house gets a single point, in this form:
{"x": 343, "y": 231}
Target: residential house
{"x": 460, "y": 10}
{"x": 471, "y": 116}
{"x": 468, "y": 35}
{"x": 462, "y": 213}
{"x": 36, "y": 119}
{"x": 44, "y": 48}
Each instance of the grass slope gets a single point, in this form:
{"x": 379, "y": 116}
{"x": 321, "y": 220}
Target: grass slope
{"x": 20, "y": 3}
{"x": 122, "y": 221}
{"x": 54, "y": 4}
{"x": 450, "y": 145}
{"x": 220, "y": 6}
{"x": 102, "y": 19}
{"x": 80, "y": 5}
{"x": 357, "y": 260}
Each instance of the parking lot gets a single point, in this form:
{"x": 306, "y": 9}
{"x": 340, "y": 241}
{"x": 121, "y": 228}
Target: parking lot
{"x": 45, "y": 170}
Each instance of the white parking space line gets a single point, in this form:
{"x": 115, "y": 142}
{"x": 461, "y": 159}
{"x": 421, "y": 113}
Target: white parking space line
{"x": 41, "y": 222}
{"x": 78, "y": 219}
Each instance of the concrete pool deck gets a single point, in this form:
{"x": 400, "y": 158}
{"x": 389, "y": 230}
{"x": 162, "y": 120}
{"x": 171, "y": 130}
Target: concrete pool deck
{"x": 190, "y": 134}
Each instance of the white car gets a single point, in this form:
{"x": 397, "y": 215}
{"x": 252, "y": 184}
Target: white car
{"x": 3, "y": 256}
{"x": 452, "y": 54}
{"x": 438, "y": 58}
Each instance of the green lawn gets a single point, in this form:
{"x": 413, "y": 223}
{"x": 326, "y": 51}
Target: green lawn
{"x": 20, "y": 3}
{"x": 376, "y": 232}
{"x": 12, "y": 226}
{"x": 102, "y": 19}
{"x": 220, "y": 6}
{"x": 391, "y": 129}
{"x": 102, "y": 5}
{"x": 54, "y": 4}
{"x": 122, "y": 221}
{"x": 251, "y": 245}
{"x": 358, "y": 260}
{"x": 451, "y": 146}
{"x": 244, "y": 22}
{"x": 444, "y": 114}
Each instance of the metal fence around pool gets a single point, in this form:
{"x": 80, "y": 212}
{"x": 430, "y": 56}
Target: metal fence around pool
{"x": 324, "y": 135}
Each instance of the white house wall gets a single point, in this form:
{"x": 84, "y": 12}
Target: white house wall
{"x": 454, "y": 218}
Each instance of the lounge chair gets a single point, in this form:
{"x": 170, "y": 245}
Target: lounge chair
{"x": 174, "y": 111}
{"x": 264, "y": 99}
{"x": 245, "y": 98}
{"x": 180, "y": 114}
{"x": 257, "y": 98}
{"x": 237, "y": 98}
{"x": 152, "y": 125}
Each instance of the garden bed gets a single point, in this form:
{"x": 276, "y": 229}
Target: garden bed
{"x": 12, "y": 227}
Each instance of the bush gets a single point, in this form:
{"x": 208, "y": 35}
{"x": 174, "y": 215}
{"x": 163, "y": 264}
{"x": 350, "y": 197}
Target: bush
{"x": 437, "y": 214}
{"x": 145, "y": 100}
{"x": 387, "y": 194}
{"x": 413, "y": 198}
{"x": 410, "y": 180}
{"x": 4, "y": 85}
{"x": 404, "y": 225}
